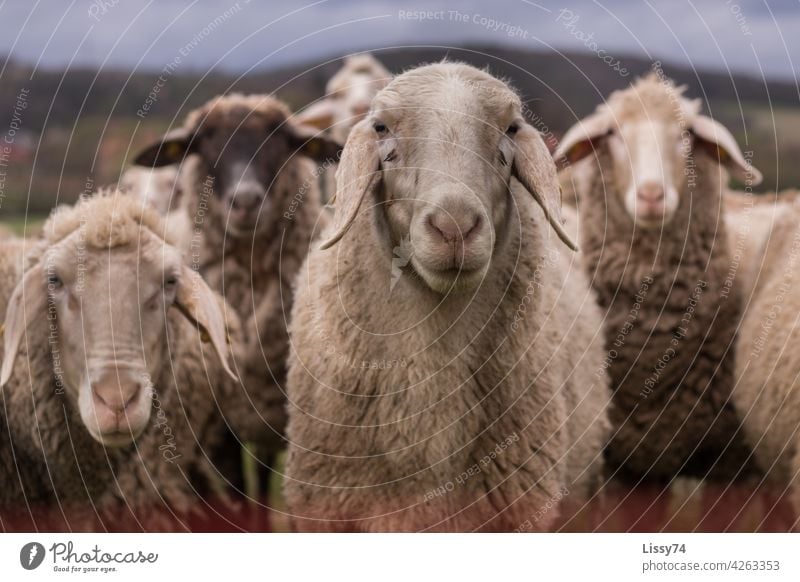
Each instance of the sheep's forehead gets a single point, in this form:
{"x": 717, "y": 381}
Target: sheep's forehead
{"x": 652, "y": 100}
{"x": 430, "y": 94}
{"x": 139, "y": 256}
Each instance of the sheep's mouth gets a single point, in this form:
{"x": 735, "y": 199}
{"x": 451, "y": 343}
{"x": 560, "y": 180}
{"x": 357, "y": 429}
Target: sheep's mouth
{"x": 451, "y": 279}
{"x": 117, "y": 438}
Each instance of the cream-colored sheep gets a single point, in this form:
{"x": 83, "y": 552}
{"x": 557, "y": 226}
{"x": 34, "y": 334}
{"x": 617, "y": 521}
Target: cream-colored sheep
{"x": 348, "y": 96}
{"x": 108, "y": 394}
{"x": 767, "y": 392}
{"x": 446, "y": 363}
{"x": 158, "y": 187}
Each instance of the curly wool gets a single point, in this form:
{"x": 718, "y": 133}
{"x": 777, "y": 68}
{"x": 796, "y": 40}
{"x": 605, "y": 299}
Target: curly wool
{"x": 766, "y": 394}
{"x": 51, "y": 461}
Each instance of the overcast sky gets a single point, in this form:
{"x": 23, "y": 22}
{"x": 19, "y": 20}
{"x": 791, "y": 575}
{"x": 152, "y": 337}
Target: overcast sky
{"x": 740, "y": 35}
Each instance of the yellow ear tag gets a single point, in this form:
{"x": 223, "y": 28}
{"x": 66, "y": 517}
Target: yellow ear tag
{"x": 174, "y": 150}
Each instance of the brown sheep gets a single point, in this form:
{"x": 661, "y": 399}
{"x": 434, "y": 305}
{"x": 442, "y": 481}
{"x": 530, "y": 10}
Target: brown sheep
{"x": 656, "y": 251}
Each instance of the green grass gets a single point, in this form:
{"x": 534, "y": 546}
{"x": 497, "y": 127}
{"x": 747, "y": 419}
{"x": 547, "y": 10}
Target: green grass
{"x": 20, "y": 225}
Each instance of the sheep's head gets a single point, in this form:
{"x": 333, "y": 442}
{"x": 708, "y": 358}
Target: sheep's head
{"x": 105, "y": 281}
{"x": 442, "y": 144}
{"x": 244, "y": 143}
{"x": 348, "y": 96}
{"x": 651, "y": 133}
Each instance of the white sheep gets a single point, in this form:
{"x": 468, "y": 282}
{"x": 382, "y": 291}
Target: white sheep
{"x": 767, "y": 392}
{"x": 446, "y": 363}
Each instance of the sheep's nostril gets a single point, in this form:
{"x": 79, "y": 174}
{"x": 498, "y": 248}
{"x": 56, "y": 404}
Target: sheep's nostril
{"x": 245, "y": 202}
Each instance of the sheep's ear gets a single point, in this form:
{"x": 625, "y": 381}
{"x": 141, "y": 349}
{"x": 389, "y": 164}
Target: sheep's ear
{"x": 308, "y": 141}
{"x": 581, "y": 139}
{"x": 357, "y": 176}
{"x": 27, "y": 304}
{"x": 721, "y": 145}
{"x": 202, "y": 307}
{"x": 319, "y": 115}
{"x": 534, "y": 168}
{"x": 171, "y": 149}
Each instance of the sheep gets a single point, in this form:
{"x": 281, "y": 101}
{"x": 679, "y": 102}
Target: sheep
{"x": 440, "y": 381}
{"x": 348, "y": 96}
{"x": 250, "y": 210}
{"x": 159, "y": 187}
{"x": 107, "y": 392}
{"x": 749, "y": 220}
{"x": 767, "y": 367}
{"x": 656, "y": 251}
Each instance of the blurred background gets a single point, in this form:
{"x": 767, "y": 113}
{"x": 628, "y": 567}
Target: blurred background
{"x": 84, "y": 84}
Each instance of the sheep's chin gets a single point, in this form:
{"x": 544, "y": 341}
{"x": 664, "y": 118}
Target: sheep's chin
{"x": 452, "y": 280}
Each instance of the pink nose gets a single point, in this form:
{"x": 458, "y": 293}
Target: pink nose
{"x": 652, "y": 192}
{"x": 453, "y": 228}
{"x": 111, "y": 392}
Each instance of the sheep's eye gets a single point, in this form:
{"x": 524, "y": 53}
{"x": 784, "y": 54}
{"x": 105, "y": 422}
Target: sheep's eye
{"x": 170, "y": 281}
{"x": 54, "y": 282}
{"x": 380, "y": 127}
{"x": 512, "y": 129}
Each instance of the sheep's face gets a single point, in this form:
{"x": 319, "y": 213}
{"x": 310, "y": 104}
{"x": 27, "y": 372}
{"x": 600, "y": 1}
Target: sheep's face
{"x": 446, "y": 152}
{"x": 350, "y": 92}
{"x": 655, "y": 138}
{"x": 246, "y": 145}
{"x": 649, "y": 159}
{"x": 109, "y": 306}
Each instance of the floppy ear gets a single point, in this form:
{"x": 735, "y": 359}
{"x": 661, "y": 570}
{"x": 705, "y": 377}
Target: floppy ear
{"x": 357, "y": 175}
{"x": 27, "y": 304}
{"x": 718, "y": 142}
{"x": 534, "y": 168}
{"x": 171, "y": 149}
{"x": 310, "y": 142}
{"x": 201, "y": 306}
{"x": 581, "y": 139}
{"x": 319, "y": 115}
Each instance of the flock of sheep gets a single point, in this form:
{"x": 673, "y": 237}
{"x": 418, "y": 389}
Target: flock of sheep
{"x": 443, "y": 347}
